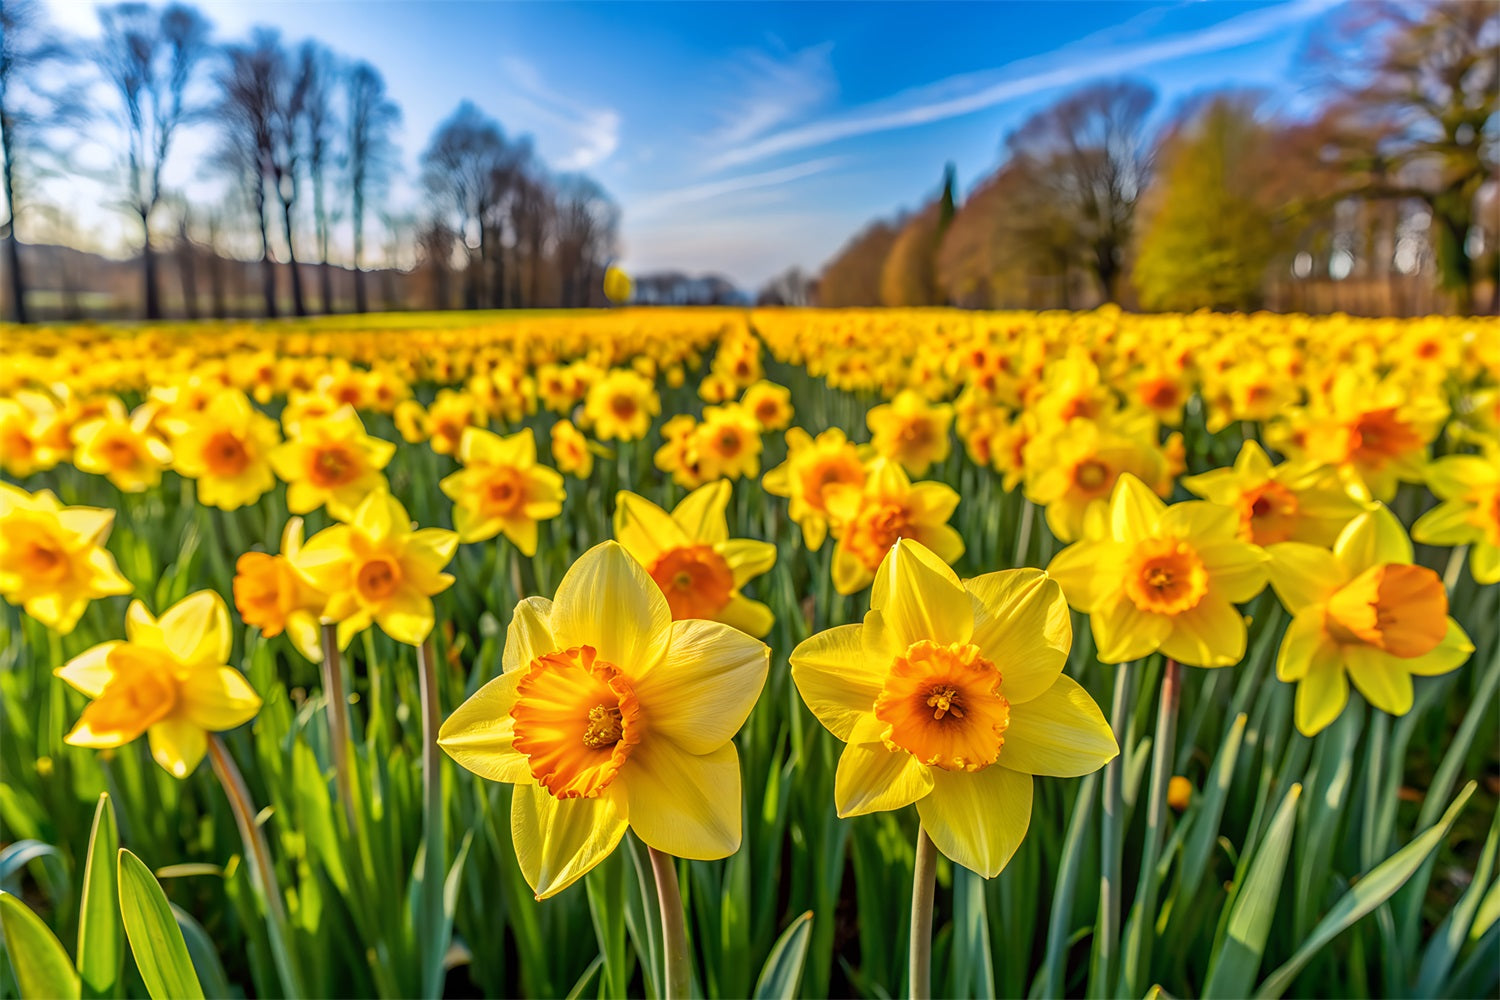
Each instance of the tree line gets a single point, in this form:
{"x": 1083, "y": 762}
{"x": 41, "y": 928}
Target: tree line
{"x": 305, "y": 140}
{"x": 1392, "y": 183}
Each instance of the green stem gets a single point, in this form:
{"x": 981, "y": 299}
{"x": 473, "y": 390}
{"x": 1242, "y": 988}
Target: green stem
{"x": 238, "y": 794}
{"x": 435, "y": 852}
{"x": 678, "y": 971}
{"x": 1454, "y": 568}
{"x": 1023, "y": 536}
{"x": 1143, "y": 930}
{"x": 1106, "y": 941}
{"x": 338, "y": 715}
{"x": 923, "y": 889}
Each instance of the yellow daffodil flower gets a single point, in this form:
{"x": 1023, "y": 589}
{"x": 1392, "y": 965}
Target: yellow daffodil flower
{"x": 331, "y": 461}
{"x": 1075, "y": 466}
{"x": 770, "y": 404}
{"x": 1469, "y": 486}
{"x": 693, "y": 560}
{"x": 620, "y": 406}
{"x": 911, "y": 431}
{"x": 270, "y": 594}
{"x": 869, "y": 519}
{"x": 1361, "y": 612}
{"x": 501, "y": 488}
{"x": 168, "y": 679}
{"x": 122, "y": 447}
{"x": 813, "y": 465}
{"x": 610, "y": 715}
{"x": 377, "y": 569}
{"x": 1283, "y": 503}
{"x": 951, "y": 695}
{"x": 1153, "y": 577}
{"x": 52, "y": 558}
{"x": 726, "y": 444}
{"x": 226, "y": 448}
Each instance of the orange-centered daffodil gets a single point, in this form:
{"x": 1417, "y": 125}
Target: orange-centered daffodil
{"x": 951, "y": 695}
{"x": 501, "y": 488}
{"x": 52, "y": 558}
{"x": 610, "y": 715}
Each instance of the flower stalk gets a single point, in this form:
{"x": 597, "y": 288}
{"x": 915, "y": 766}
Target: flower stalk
{"x": 1106, "y": 946}
{"x": 678, "y": 969}
{"x": 923, "y": 892}
{"x": 1142, "y": 931}
{"x": 338, "y": 716}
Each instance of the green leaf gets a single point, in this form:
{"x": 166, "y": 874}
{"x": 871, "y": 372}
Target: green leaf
{"x": 1365, "y": 895}
{"x": 783, "y": 969}
{"x": 204, "y": 954}
{"x": 1233, "y": 968}
{"x": 160, "y": 953}
{"x": 590, "y": 974}
{"x": 41, "y": 965}
{"x": 100, "y": 949}
{"x": 1442, "y": 950}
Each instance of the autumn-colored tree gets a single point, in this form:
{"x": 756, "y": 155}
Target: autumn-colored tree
{"x": 852, "y": 278}
{"x": 1416, "y": 91}
{"x": 909, "y": 276}
{"x": 1207, "y": 232}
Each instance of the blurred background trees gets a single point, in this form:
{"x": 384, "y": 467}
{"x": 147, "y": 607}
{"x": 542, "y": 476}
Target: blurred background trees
{"x": 1376, "y": 191}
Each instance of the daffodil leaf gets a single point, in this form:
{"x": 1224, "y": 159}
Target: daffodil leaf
{"x": 160, "y": 953}
{"x": 40, "y": 964}
{"x": 782, "y": 973}
{"x": 100, "y": 946}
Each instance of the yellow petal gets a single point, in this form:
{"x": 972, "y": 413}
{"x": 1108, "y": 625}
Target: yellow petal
{"x": 920, "y": 597}
{"x": 977, "y": 819}
{"x": 177, "y": 745}
{"x": 407, "y": 617}
{"x": 1304, "y": 642}
{"x": 874, "y": 778}
{"x": 702, "y": 691}
{"x": 1061, "y": 733}
{"x": 700, "y": 515}
{"x": 606, "y": 600}
{"x": 1023, "y": 627}
{"x": 1199, "y": 522}
{"x": 1210, "y": 635}
{"x": 1236, "y": 570}
{"x": 1484, "y": 563}
{"x": 1446, "y": 524}
{"x": 1322, "y": 693}
{"x": 479, "y": 733}
{"x": 645, "y": 529}
{"x": 196, "y": 629}
{"x": 750, "y": 617}
{"x": 529, "y": 634}
{"x": 837, "y": 678}
{"x": 1133, "y": 509}
{"x": 1303, "y": 575}
{"x": 746, "y": 558}
{"x": 1122, "y": 632}
{"x": 684, "y": 804}
{"x": 558, "y": 841}
{"x": 1382, "y": 678}
{"x": 1077, "y": 570}
{"x": 1450, "y": 654}
{"x": 217, "y": 699}
{"x": 89, "y": 671}
{"x": 1373, "y": 538}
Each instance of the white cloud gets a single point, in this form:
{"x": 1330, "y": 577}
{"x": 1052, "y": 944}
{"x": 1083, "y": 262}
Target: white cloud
{"x": 968, "y": 93}
{"x": 650, "y": 204}
{"x": 770, "y": 90}
{"x": 584, "y": 136}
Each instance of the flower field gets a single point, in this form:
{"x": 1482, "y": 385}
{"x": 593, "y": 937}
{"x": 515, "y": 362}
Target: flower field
{"x": 778, "y": 653}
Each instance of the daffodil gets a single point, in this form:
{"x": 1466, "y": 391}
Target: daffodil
{"x": 693, "y": 560}
{"x": 1469, "y": 486}
{"x": 770, "y": 404}
{"x": 571, "y": 452}
{"x": 28, "y": 444}
{"x": 813, "y": 465}
{"x": 169, "y": 679}
{"x": 122, "y": 447}
{"x": 226, "y": 448}
{"x": 620, "y": 406}
{"x": 270, "y": 594}
{"x": 610, "y": 715}
{"x": 911, "y": 431}
{"x": 449, "y": 416}
{"x": 377, "y": 569}
{"x": 52, "y": 558}
{"x": 1361, "y": 612}
{"x": 1153, "y": 577}
{"x": 331, "y": 461}
{"x": 726, "y": 444}
{"x": 1282, "y": 503}
{"x": 501, "y": 488}
{"x": 1075, "y": 466}
{"x": 952, "y": 695}
{"x": 869, "y": 519}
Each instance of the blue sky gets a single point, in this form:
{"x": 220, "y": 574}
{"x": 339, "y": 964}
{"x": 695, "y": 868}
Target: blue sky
{"x": 747, "y": 137}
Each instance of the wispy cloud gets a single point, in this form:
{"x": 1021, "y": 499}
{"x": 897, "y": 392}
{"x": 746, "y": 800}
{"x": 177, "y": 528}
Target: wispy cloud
{"x": 588, "y": 135}
{"x": 767, "y": 90}
{"x": 966, "y": 94}
{"x": 649, "y": 204}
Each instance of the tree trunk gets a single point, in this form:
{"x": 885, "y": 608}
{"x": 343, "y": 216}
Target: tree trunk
{"x": 1108, "y": 271}
{"x": 299, "y": 307}
{"x": 188, "y": 272}
{"x": 268, "y": 266}
{"x": 361, "y": 304}
{"x": 13, "y": 247}
{"x": 148, "y": 270}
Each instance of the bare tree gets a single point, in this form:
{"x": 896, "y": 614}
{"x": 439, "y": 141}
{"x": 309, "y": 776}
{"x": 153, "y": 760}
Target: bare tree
{"x": 369, "y": 155}
{"x": 319, "y": 128}
{"x": 587, "y": 234}
{"x": 247, "y": 121}
{"x": 293, "y": 83}
{"x": 148, "y": 56}
{"x": 1089, "y": 154}
{"x": 457, "y": 170}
